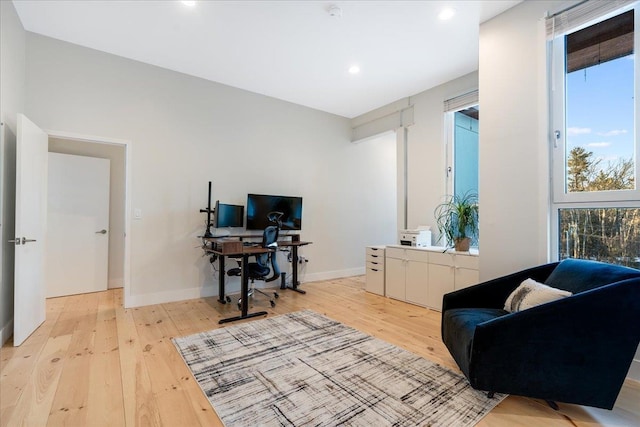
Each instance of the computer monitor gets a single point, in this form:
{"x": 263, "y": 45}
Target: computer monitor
{"x": 259, "y": 206}
{"x": 228, "y": 215}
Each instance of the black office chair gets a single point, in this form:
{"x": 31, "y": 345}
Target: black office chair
{"x": 266, "y": 262}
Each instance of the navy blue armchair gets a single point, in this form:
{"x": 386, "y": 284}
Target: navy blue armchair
{"x": 575, "y": 350}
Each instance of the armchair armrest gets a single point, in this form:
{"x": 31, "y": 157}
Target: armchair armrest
{"x": 493, "y": 294}
{"x": 547, "y": 349}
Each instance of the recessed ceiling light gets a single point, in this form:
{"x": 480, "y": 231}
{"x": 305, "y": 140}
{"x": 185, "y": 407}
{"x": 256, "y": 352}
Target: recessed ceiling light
{"x": 446, "y": 13}
{"x": 354, "y": 69}
{"x": 189, "y": 3}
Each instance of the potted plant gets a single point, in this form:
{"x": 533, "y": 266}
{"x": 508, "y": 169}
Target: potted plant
{"x": 457, "y": 219}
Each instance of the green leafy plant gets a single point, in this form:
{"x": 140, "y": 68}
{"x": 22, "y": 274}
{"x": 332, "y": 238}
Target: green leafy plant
{"x": 457, "y": 219}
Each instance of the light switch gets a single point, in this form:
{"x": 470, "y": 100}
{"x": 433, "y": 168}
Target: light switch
{"x": 137, "y": 213}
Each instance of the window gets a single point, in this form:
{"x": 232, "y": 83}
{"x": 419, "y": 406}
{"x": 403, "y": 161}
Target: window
{"x": 596, "y": 198}
{"x": 465, "y": 151}
{"x": 462, "y": 115}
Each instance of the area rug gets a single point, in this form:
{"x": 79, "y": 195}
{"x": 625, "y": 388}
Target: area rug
{"x": 303, "y": 368}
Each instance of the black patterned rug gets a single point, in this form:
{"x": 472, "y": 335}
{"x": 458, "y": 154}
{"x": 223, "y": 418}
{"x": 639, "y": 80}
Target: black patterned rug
{"x": 303, "y": 368}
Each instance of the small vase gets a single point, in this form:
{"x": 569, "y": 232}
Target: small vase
{"x": 462, "y": 245}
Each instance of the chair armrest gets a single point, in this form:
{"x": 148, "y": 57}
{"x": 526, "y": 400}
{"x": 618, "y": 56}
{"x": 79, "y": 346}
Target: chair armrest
{"x": 494, "y": 293}
{"x": 576, "y": 350}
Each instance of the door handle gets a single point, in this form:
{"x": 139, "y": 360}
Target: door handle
{"x": 25, "y": 240}
{"x": 16, "y": 241}
{"x": 103, "y": 231}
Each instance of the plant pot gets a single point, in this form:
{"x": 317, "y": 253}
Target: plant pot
{"x": 462, "y": 245}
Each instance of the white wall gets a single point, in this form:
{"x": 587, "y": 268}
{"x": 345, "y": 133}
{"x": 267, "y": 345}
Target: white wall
{"x": 12, "y": 99}
{"x": 185, "y": 131}
{"x": 426, "y": 150}
{"x": 514, "y": 159}
{"x": 514, "y": 149}
{"x": 116, "y": 155}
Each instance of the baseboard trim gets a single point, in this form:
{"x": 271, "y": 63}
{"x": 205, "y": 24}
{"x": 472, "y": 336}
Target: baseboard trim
{"x": 6, "y": 331}
{"x": 210, "y": 291}
{"x": 170, "y": 296}
{"x": 115, "y": 283}
{"x": 335, "y": 274}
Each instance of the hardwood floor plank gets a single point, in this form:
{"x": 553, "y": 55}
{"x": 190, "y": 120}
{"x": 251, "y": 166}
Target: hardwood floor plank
{"x": 119, "y": 367}
{"x": 179, "y": 402}
{"x": 105, "y": 400}
{"x": 70, "y": 405}
{"x": 139, "y": 405}
{"x": 34, "y": 404}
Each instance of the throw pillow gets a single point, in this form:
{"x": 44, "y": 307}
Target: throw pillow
{"x": 531, "y": 293}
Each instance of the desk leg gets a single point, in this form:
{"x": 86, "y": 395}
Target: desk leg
{"x": 244, "y": 291}
{"x": 294, "y": 268}
{"x": 221, "y": 296}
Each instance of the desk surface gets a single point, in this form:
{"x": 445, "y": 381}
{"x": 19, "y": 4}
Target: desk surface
{"x": 250, "y": 236}
{"x": 254, "y": 250}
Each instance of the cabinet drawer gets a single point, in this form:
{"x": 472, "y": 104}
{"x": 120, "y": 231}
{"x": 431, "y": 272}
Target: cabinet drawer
{"x": 375, "y": 257}
{"x": 375, "y": 250}
{"x": 467, "y": 261}
{"x": 397, "y": 253}
{"x": 417, "y": 255}
{"x": 375, "y": 281}
{"x": 375, "y": 265}
{"x": 441, "y": 259}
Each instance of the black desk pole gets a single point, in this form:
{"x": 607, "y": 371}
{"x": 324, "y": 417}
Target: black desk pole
{"x": 294, "y": 268}
{"x": 221, "y": 296}
{"x": 244, "y": 291}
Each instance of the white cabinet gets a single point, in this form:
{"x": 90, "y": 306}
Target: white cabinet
{"x": 394, "y": 274}
{"x": 423, "y": 275}
{"x": 406, "y": 274}
{"x": 467, "y": 271}
{"x": 375, "y": 270}
{"x": 441, "y": 277}
{"x": 416, "y": 272}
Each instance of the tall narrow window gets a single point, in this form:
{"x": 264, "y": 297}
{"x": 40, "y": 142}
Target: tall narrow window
{"x": 462, "y": 118}
{"x": 596, "y": 201}
{"x": 465, "y": 151}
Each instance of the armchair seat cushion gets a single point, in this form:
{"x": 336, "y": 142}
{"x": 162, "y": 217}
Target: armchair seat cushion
{"x": 459, "y": 325}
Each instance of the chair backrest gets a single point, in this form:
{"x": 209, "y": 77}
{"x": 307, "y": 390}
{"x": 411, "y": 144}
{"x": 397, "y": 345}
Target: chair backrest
{"x": 579, "y": 275}
{"x": 269, "y": 236}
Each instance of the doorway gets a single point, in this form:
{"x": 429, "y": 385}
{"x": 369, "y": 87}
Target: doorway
{"x": 117, "y": 153}
{"x": 77, "y": 246}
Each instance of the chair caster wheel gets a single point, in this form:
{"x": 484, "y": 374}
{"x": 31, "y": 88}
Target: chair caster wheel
{"x": 273, "y": 303}
{"x": 228, "y": 299}
{"x": 275, "y": 294}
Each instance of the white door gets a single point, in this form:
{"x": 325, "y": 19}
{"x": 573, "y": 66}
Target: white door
{"x": 77, "y": 225}
{"x": 31, "y": 216}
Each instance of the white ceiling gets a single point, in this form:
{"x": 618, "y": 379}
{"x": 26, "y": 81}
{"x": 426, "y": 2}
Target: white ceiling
{"x": 291, "y": 50}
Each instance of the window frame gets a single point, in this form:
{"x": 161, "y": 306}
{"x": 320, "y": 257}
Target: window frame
{"x": 450, "y": 166}
{"x": 559, "y": 197}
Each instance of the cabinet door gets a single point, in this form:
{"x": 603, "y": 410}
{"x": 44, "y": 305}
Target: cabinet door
{"x": 466, "y": 277}
{"x": 395, "y": 278}
{"x": 375, "y": 279}
{"x": 441, "y": 281}
{"x": 417, "y": 282}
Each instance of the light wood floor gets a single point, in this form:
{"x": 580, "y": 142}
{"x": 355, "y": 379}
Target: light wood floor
{"x": 93, "y": 363}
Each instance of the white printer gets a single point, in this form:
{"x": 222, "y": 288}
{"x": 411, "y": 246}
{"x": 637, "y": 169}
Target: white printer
{"x": 420, "y": 237}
